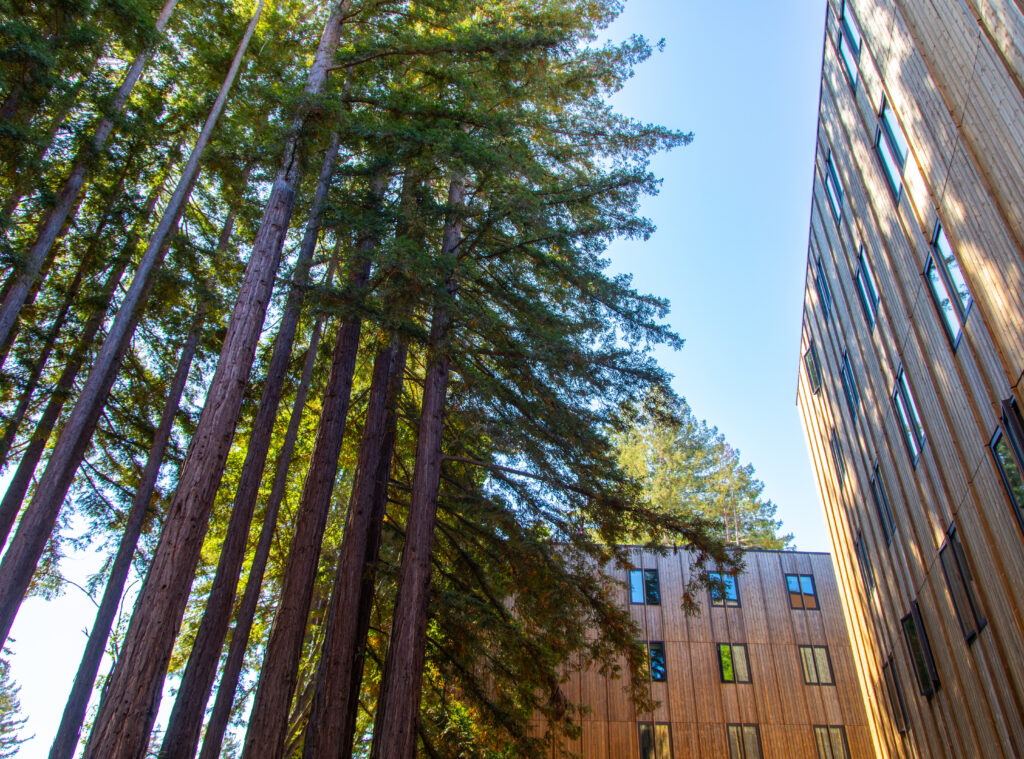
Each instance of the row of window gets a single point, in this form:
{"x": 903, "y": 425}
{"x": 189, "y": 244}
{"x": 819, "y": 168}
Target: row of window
{"x": 734, "y": 664}
{"x": 645, "y": 588}
{"x": 744, "y": 741}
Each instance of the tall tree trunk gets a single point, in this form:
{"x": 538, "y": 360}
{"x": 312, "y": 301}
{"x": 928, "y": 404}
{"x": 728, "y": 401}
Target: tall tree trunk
{"x": 41, "y": 515}
{"x": 22, "y": 478}
{"x": 268, "y": 721}
{"x": 221, "y": 713}
{"x": 58, "y": 322}
{"x": 50, "y": 227}
{"x": 331, "y": 723}
{"x": 186, "y": 720}
{"x": 33, "y": 169}
{"x": 74, "y": 711}
{"x": 130, "y": 702}
{"x": 394, "y": 731}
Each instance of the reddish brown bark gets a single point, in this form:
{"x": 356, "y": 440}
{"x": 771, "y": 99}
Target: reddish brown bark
{"x": 396, "y": 718}
{"x": 268, "y": 721}
{"x": 221, "y": 712}
{"x": 186, "y": 720}
{"x": 133, "y": 690}
{"x": 74, "y": 711}
{"x": 332, "y": 718}
{"x": 19, "y": 563}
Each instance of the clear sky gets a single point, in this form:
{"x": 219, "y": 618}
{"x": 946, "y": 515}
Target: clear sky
{"x": 732, "y": 220}
{"x": 729, "y": 253}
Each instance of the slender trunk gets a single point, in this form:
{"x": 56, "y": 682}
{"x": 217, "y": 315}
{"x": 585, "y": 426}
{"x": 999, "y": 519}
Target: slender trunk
{"x": 22, "y": 478}
{"x": 41, "y": 515}
{"x": 74, "y": 711}
{"x": 331, "y": 725}
{"x": 50, "y": 227}
{"x": 186, "y": 720}
{"x": 394, "y": 730}
{"x": 132, "y": 696}
{"x": 34, "y": 169}
{"x": 268, "y": 721}
{"x": 221, "y": 713}
{"x": 30, "y": 383}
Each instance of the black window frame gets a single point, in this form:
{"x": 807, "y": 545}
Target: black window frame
{"x": 659, "y": 674}
{"x": 846, "y": 33}
{"x": 953, "y": 560}
{"x": 867, "y": 289}
{"x": 834, "y": 192}
{"x": 838, "y": 459}
{"x": 823, "y": 288}
{"x": 743, "y": 729}
{"x": 885, "y": 131}
{"x": 815, "y": 668}
{"x": 801, "y": 592}
{"x": 644, "y": 587}
{"x": 813, "y": 381}
{"x": 830, "y": 733}
{"x": 850, "y": 388}
{"x": 897, "y": 705}
{"x": 725, "y": 600}
{"x": 1011, "y": 433}
{"x": 940, "y": 256}
{"x": 653, "y": 726}
{"x": 732, "y": 647}
{"x": 908, "y": 417}
{"x": 922, "y": 663}
{"x": 867, "y": 569}
{"x": 883, "y": 506}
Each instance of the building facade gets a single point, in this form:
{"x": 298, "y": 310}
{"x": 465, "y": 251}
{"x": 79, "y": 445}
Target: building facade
{"x": 912, "y": 355}
{"x": 765, "y": 671}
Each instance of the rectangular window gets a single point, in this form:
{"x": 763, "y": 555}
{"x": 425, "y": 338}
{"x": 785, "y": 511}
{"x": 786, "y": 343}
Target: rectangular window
{"x": 817, "y": 665}
{"x": 744, "y": 741}
{"x": 909, "y": 419}
{"x": 831, "y": 741}
{"x": 1008, "y": 451}
{"x": 960, "y": 582}
{"x": 867, "y": 572}
{"x": 867, "y": 289}
{"x": 849, "y": 43}
{"x": 920, "y": 651}
{"x": 644, "y": 586}
{"x": 723, "y": 589}
{"x": 659, "y": 670}
{"x": 833, "y": 188}
{"x": 837, "y": 457}
{"x": 813, "y": 368}
{"x": 891, "y": 146}
{"x": 949, "y": 289}
{"x": 733, "y": 664}
{"x": 802, "y": 594}
{"x": 821, "y": 285}
{"x": 655, "y": 740}
{"x": 849, "y": 386}
{"x": 881, "y": 498}
{"x": 892, "y": 687}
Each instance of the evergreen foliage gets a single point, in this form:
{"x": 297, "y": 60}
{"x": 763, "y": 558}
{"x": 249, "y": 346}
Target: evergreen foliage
{"x": 490, "y": 464}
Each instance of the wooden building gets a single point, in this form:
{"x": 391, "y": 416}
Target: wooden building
{"x": 765, "y": 671}
{"x": 912, "y": 355}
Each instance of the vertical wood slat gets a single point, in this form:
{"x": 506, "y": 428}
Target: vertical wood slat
{"x": 951, "y": 72}
{"x": 694, "y": 700}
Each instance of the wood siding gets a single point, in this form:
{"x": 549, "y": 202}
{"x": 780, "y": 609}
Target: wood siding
{"x": 695, "y": 701}
{"x": 953, "y": 74}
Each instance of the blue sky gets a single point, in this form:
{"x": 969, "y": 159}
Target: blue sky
{"x": 732, "y": 220}
{"x": 729, "y": 253}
